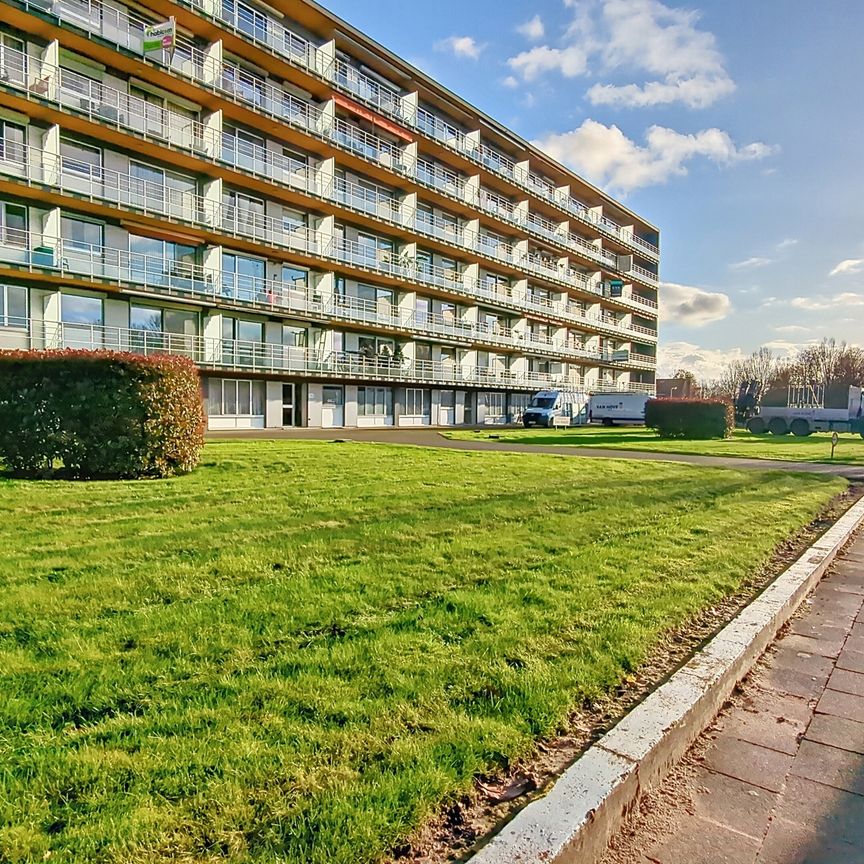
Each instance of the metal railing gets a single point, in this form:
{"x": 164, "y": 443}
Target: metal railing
{"x": 126, "y": 29}
{"x": 252, "y": 356}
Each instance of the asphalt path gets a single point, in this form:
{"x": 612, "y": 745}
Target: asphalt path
{"x": 433, "y": 438}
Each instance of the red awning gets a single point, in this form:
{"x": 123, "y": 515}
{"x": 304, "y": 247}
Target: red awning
{"x": 372, "y": 117}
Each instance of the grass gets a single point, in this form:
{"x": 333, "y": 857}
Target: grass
{"x": 788, "y": 448}
{"x": 300, "y": 651}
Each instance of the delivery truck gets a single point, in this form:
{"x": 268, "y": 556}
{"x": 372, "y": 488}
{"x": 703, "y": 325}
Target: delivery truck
{"x": 614, "y": 409}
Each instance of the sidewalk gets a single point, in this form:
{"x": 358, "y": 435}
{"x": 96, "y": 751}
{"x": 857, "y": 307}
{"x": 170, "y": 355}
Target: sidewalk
{"x": 779, "y": 777}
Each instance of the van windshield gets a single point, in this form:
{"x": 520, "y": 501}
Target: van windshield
{"x": 542, "y": 402}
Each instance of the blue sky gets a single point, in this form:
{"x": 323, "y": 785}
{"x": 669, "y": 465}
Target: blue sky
{"x": 736, "y": 126}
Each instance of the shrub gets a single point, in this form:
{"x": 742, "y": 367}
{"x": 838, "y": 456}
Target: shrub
{"x": 690, "y": 418}
{"x": 99, "y": 414}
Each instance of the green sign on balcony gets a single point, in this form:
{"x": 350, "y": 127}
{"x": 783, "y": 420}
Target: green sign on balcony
{"x": 160, "y": 37}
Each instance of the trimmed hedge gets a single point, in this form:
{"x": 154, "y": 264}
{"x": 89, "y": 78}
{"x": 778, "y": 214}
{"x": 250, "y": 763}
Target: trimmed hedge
{"x": 99, "y": 414}
{"x": 690, "y": 418}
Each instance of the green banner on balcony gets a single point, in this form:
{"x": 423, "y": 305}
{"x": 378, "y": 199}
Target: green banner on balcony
{"x": 160, "y": 37}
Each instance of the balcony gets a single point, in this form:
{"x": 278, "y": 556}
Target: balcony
{"x": 264, "y": 357}
{"x": 367, "y": 89}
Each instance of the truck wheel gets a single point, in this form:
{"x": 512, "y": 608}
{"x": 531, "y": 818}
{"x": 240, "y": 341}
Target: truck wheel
{"x": 607, "y": 421}
{"x": 777, "y": 426}
{"x": 757, "y": 426}
{"x": 800, "y": 428}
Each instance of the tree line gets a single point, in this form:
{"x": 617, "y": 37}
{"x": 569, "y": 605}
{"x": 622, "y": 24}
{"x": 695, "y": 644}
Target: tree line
{"x": 833, "y": 365}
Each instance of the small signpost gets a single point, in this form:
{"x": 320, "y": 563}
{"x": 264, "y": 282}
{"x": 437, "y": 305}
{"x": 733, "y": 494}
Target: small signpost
{"x": 160, "y": 37}
{"x": 834, "y": 439}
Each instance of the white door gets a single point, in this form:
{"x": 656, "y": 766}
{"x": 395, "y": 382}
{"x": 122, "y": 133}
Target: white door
{"x": 333, "y": 407}
{"x": 447, "y": 408}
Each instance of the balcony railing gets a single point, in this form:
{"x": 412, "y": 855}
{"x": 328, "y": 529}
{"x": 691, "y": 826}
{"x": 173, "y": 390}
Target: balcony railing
{"x": 366, "y": 88}
{"x": 266, "y": 357}
{"x": 126, "y": 29}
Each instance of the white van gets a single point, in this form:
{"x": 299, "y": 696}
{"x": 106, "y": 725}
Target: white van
{"x": 613, "y": 409}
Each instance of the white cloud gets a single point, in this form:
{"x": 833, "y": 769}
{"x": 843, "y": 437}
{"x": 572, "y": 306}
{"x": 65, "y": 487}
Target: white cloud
{"x": 748, "y": 263}
{"x": 710, "y": 363}
{"x": 705, "y": 363}
{"x": 691, "y": 306}
{"x": 791, "y": 328}
{"x": 786, "y": 244}
{"x": 510, "y": 82}
{"x": 571, "y": 62}
{"x": 461, "y": 46}
{"x": 696, "y": 92}
{"x": 849, "y": 265}
{"x": 662, "y": 46}
{"x": 834, "y": 302}
{"x": 532, "y": 29}
{"x": 606, "y": 156}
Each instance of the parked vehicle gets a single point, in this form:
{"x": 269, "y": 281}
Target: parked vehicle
{"x": 805, "y": 412}
{"x": 556, "y": 408}
{"x": 612, "y": 409}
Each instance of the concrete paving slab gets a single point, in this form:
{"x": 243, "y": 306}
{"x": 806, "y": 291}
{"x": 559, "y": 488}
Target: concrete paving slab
{"x": 701, "y": 841}
{"x": 741, "y": 806}
{"x": 791, "y": 843}
{"x": 769, "y": 719}
{"x": 845, "y": 681}
{"x": 837, "y": 732}
{"x": 752, "y": 763}
{"x": 852, "y": 660}
{"x": 845, "y": 705}
{"x": 809, "y": 645}
{"x": 832, "y": 766}
{"x": 797, "y": 673}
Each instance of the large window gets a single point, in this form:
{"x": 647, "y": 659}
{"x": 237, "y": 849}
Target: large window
{"x": 294, "y": 277}
{"x": 11, "y": 142}
{"x": 374, "y": 401}
{"x": 81, "y": 319}
{"x": 13, "y": 224}
{"x": 13, "y": 306}
{"x": 418, "y": 403}
{"x": 243, "y": 277}
{"x": 158, "y": 262}
{"x": 495, "y": 404}
{"x": 156, "y": 189}
{"x": 13, "y": 60}
{"x": 80, "y": 159}
{"x": 232, "y": 398}
{"x": 81, "y": 235}
{"x": 243, "y": 212}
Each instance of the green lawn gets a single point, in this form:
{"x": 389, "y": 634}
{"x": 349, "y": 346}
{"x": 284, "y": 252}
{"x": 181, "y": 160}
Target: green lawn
{"x": 814, "y": 448}
{"x": 298, "y": 652}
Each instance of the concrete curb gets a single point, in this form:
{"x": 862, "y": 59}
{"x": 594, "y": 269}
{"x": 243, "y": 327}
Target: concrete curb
{"x": 573, "y": 822}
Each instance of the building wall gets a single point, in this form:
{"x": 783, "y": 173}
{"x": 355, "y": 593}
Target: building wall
{"x": 329, "y": 240}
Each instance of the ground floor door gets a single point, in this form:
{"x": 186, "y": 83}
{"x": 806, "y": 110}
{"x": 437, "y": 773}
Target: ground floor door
{"x": 333, "y": 407}
{"x": 447, "y": 408}
{"x": 292, "y": 414}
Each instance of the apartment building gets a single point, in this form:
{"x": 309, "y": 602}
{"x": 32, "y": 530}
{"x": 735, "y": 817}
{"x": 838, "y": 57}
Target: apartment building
{"x": 333, "y": 237}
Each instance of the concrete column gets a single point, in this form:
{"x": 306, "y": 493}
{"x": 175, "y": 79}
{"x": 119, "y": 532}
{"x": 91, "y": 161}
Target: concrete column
{"x": 325, "y": 59}
{"x": 521, "y": 171}
{"x": 408, "y": 209}
{"x": 472, "y": 141}
{"x": 212, "y": 265}
{"x": 46, "y": 82}
{"x": 50, "y": 167}
{"x": 472, "y": 191}
{"x": 409, "y": 103}
{"x": 212, "y": 333}
{"x": 213, "y": 202}
{"x": 326, "y": 238}
{"x": 212, "y": 134}
{"x": 212, "y": 72}
{"x": 520, "y": 211}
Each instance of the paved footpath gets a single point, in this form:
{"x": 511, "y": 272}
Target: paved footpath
{"x": 432, "y": 438}
{"x": 779, "y": 777}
